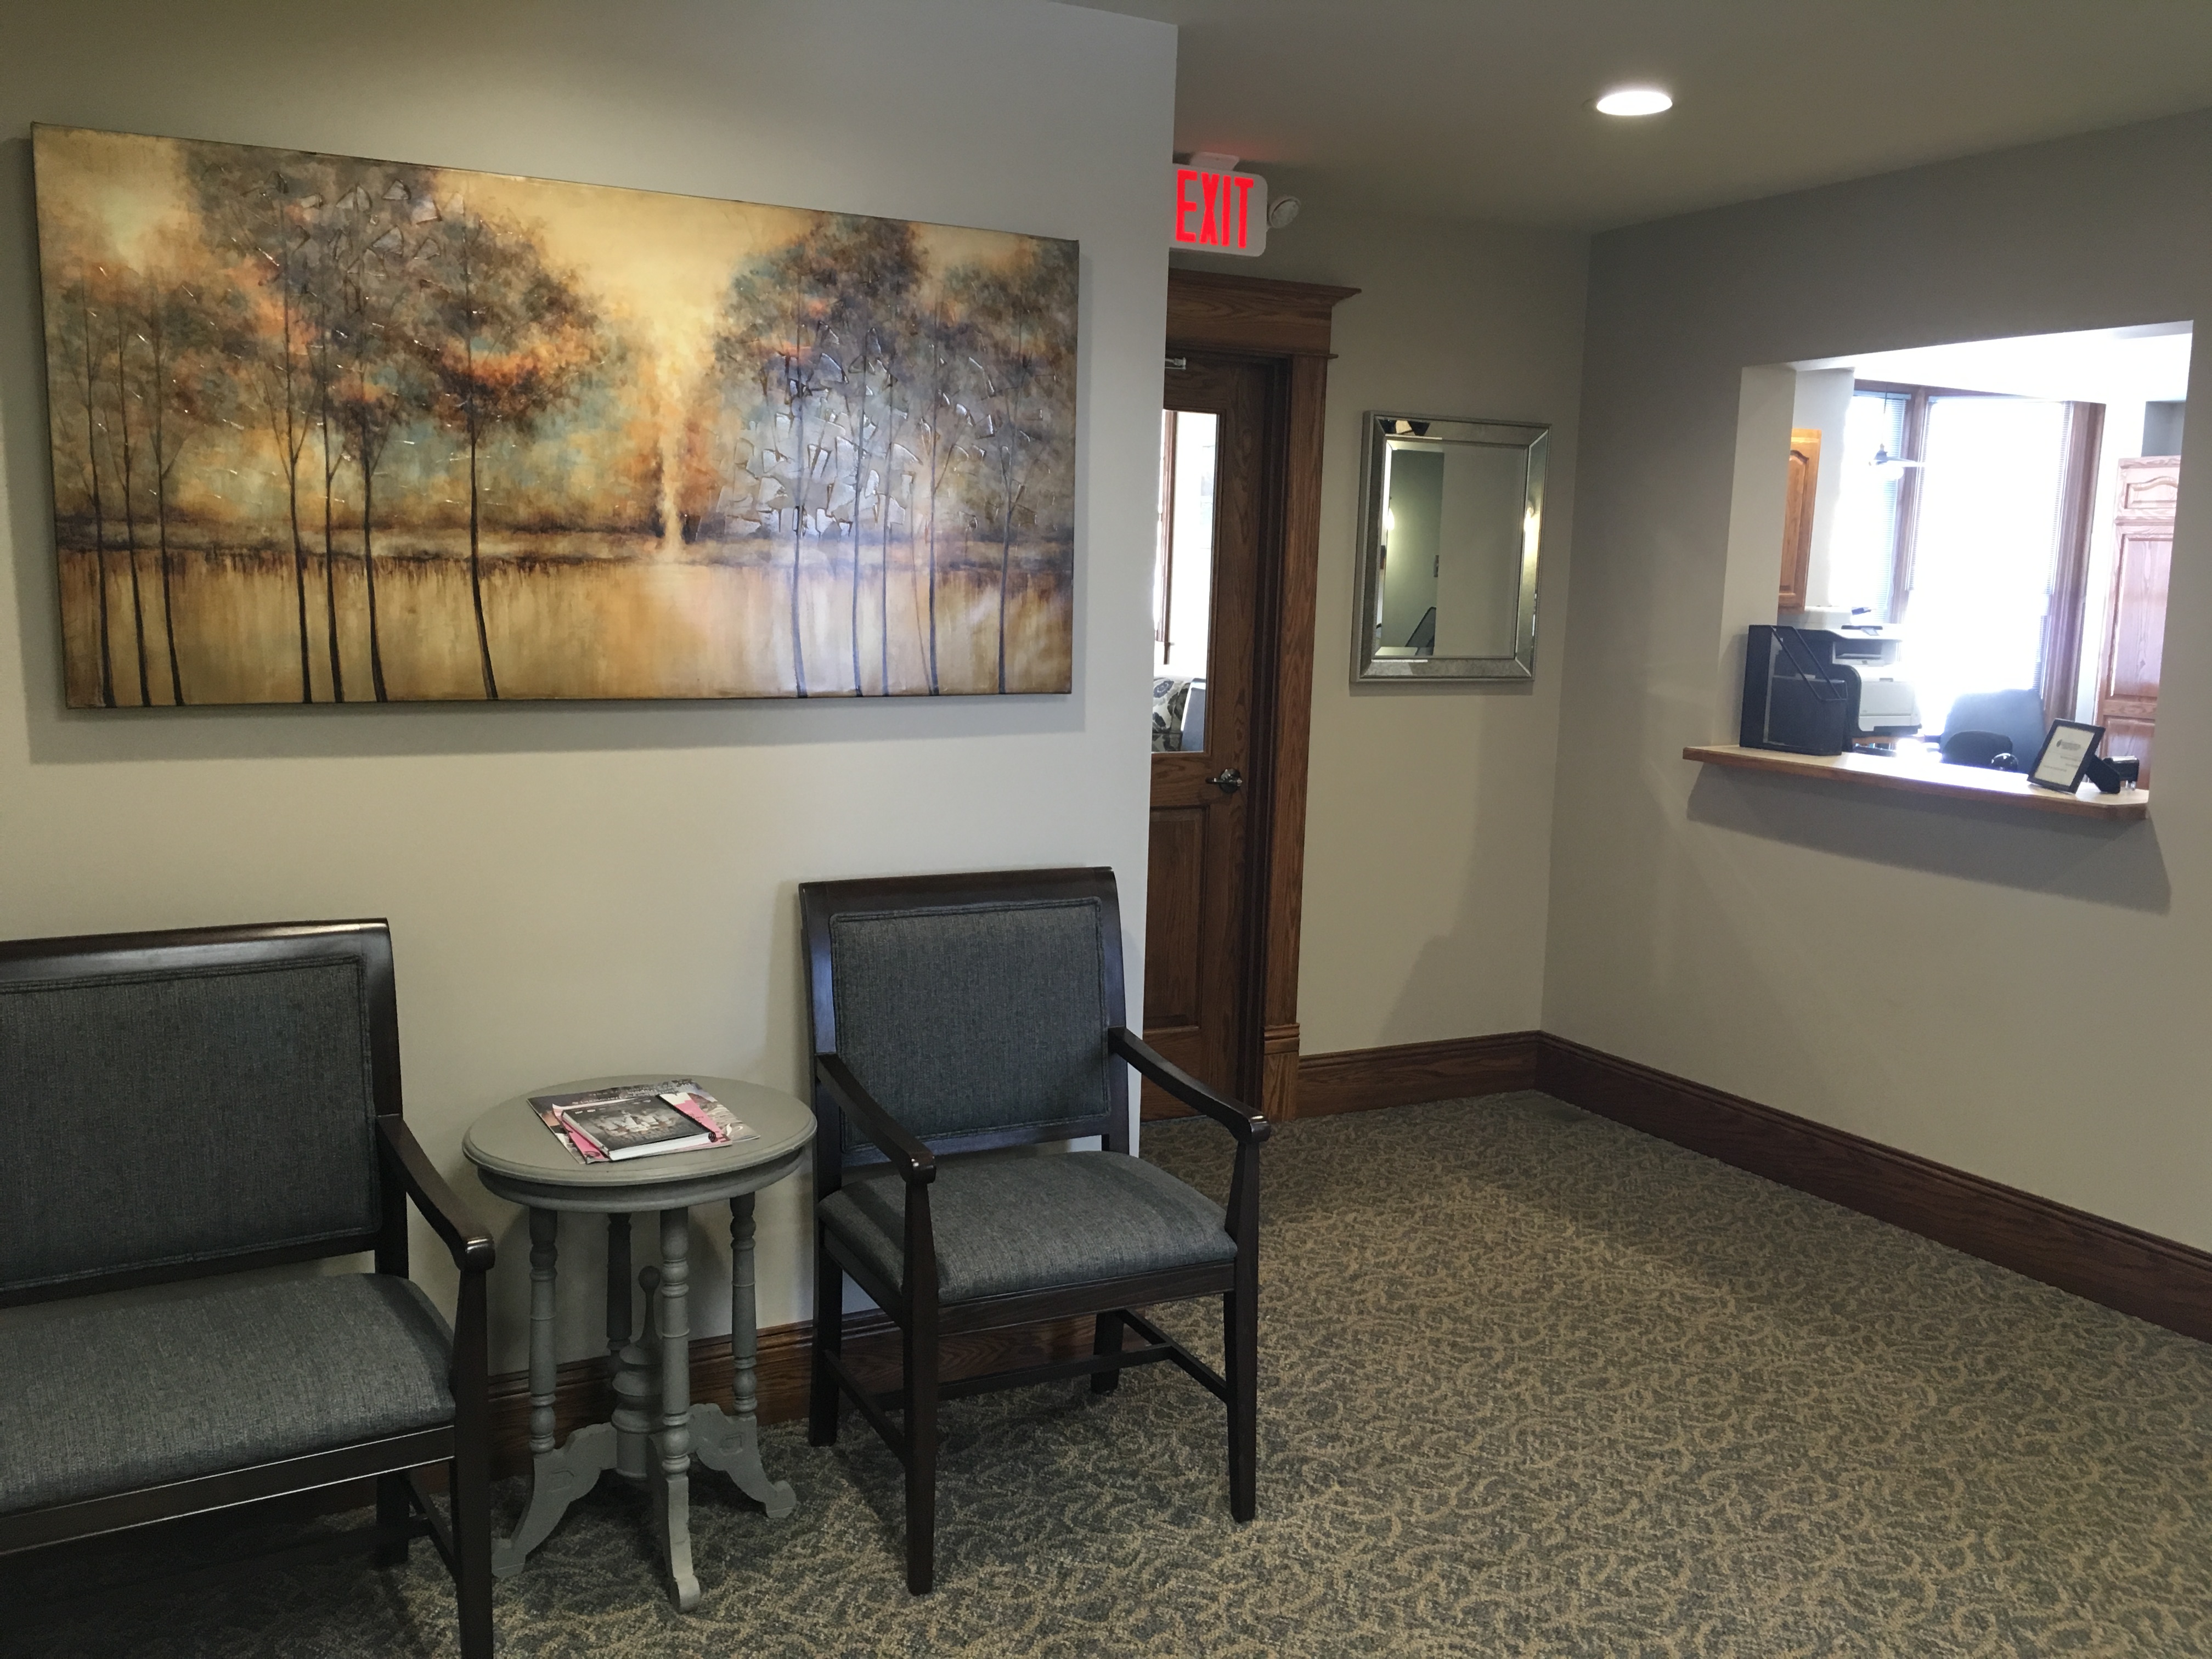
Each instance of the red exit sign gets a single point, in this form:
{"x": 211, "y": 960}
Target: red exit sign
{"x": 1218, "y": 212}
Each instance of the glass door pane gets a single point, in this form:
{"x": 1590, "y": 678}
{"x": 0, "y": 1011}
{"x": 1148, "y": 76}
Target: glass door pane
{"x": 1182, "y": 580}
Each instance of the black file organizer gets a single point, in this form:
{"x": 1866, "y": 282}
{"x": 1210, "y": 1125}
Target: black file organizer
{"x": 1796, "y": 695}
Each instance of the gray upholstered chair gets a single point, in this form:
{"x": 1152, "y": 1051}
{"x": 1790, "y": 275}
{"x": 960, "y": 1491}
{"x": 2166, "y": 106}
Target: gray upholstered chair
{"x": 956, "y": 1021}
{"x": 177, "y": 1108}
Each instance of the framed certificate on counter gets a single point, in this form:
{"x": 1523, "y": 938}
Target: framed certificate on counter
{"x": 2068, "y": 749}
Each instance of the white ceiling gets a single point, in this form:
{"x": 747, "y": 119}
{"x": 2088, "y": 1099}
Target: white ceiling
{"x": 2148, "y": 363}
{"x": 1480, "y": 108}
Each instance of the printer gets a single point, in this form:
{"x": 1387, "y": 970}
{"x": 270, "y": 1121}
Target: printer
{"x": 1817, "y": 691}
{"x": 1888, "y": 706}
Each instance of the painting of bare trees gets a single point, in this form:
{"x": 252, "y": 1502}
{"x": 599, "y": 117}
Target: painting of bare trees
{"x": 335, "y": 430}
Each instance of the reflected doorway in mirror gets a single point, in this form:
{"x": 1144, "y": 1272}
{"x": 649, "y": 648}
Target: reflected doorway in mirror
{"x": 1450, "y": 522}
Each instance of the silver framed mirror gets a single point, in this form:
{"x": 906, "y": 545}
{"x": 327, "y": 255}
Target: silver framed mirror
{"x": 1451, "y": 513}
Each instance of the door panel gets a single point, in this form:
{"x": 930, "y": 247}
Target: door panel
{"x": 1195, "y": 950}
{"x": 2125, "y": 736}
{"x": 1798, "y": 516}
{"x": 2139, "y": 619}
{"x": 2135, "y": 637}
{"x": 1175, "y": 904}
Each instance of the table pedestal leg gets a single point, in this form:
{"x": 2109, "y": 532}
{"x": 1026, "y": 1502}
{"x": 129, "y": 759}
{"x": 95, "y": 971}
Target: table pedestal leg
{"x": 557, "y": 1477}
{"x": 637, "y": 1389}
{"x": 655, "y": 1430}
{"x": 732, "y": 1445}
{"x": 620, "y": 1321}
{"x": 670, "y": 1496}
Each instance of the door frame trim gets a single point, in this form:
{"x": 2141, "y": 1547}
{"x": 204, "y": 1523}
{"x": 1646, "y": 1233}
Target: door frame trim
{"x": 1285, "y": 325}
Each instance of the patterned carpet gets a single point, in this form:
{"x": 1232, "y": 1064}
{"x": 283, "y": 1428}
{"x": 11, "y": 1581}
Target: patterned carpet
{"x": 1534, "y": 1385}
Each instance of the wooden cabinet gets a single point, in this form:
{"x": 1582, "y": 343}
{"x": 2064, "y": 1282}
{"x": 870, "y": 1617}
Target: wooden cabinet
{"x": 1797, "y": 516}
{"x": 2134, "y": 631}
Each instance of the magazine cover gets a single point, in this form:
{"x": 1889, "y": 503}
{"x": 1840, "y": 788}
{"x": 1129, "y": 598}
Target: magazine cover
{"x": 698, "y": 1121}
{"x": 632, "y": 1128}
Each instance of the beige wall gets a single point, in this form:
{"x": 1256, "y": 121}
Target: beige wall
{"x": 598, "y": 889}
{"x": 2018, "y": 997}
{"x": 1429, "y": 825}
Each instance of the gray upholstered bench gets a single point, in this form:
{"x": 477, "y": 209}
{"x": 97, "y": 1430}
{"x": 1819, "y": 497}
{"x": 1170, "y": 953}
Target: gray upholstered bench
{"x": 178, "y": 1108}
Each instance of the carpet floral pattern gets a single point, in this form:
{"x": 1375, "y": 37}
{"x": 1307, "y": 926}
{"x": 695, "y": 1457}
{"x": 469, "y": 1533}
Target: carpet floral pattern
{"x": 1533, "y": 1384}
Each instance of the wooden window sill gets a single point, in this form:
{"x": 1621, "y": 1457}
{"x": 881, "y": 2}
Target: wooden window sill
{"x": 1930, "y": 777}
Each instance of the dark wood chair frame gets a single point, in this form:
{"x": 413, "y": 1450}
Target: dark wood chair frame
{"x": 922, "y": 1322}
{"x": 403, "y": 1509}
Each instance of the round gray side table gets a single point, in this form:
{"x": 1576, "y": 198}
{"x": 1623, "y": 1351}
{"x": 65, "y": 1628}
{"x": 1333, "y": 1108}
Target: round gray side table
{"x": 656, "y": 1429}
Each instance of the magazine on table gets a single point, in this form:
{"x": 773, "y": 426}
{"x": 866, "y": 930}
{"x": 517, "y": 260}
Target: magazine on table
{"x": 640, "y": 1120}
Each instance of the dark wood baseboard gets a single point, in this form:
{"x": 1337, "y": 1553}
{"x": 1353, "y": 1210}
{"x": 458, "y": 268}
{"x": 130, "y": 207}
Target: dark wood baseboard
{"x": 583, "y": 1392}
{"x": 2120, "y": 1266}
{"x": 1361, "y": 1080}
{"x": 2154, "y": 1279}
{"x": 2108, "y": 1263}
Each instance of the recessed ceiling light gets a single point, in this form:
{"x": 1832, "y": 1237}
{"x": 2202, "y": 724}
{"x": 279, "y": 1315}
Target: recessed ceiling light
{"x": 1634, "y": 101}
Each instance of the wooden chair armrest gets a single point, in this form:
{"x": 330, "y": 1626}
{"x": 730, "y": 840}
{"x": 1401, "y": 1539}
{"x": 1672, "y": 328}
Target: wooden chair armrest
{"x": 915, "y": 1162}
{"x": 472, "y": 1246}
{"x": 1251, "y": 1127}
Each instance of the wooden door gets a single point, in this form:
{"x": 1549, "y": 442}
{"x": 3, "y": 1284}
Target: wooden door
{"x": 2135, "y": 634}
{"x": 1197, "y": 951}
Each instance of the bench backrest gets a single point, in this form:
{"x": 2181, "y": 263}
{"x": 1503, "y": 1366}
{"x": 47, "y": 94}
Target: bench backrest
{"x": 186, "y": 1103}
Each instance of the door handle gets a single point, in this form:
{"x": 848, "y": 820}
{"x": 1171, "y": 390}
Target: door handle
{"x": 1228, "y": 780}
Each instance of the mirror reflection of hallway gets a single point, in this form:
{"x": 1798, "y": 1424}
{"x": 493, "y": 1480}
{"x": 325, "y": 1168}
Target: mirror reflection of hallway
{"x": 1412, "y": 554}
{"x": 1452, "y": 516}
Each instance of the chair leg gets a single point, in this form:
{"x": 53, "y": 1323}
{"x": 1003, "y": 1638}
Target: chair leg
{"x": 921, "y": 1453}
{"x": 1240, "y": 1350}
{"x": 824, "y": 1405}
{"x": 470, "y": 1478}
{"x": 393, "y": 1509}
{"x": 1108, "y": 1340}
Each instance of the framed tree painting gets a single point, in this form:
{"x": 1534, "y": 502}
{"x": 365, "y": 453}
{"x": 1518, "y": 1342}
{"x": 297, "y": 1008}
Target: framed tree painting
{"x": 329, "y": 429}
